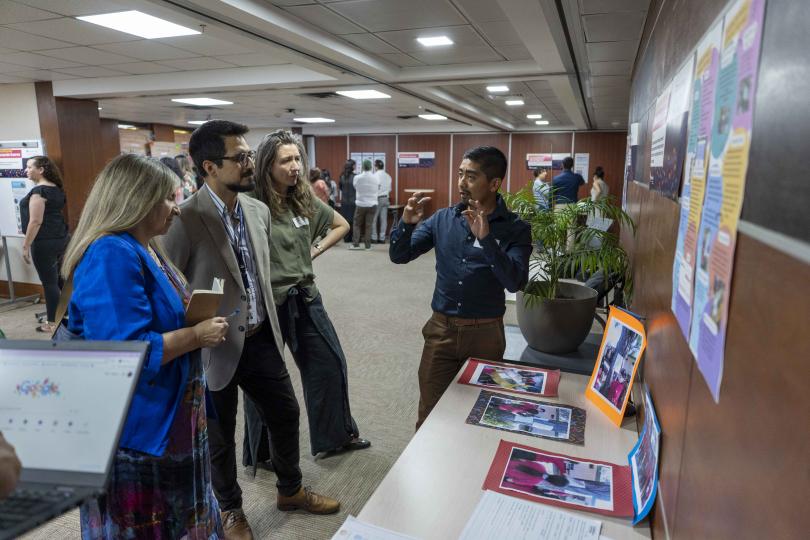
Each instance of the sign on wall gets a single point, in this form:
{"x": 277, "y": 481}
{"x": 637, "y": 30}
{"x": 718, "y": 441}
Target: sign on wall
{"x": 407, "y": 160}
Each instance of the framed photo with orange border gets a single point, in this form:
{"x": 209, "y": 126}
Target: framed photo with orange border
{"x": 619, "y": 355}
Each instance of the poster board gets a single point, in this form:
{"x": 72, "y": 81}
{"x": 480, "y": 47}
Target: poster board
{"x": 421, "y": 160}
{"x": 14, "y": 185}
{"x": 582, "y": 163}
{"x": 359, "y": 157}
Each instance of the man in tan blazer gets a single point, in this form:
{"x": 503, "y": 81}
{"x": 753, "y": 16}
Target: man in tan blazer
{"x": 223, "y": 233}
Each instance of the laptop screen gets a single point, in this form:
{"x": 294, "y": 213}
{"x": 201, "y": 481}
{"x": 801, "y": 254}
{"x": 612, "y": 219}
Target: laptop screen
{"x": 62, "y": 408}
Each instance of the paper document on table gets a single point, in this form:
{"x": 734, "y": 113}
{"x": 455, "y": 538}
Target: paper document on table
{"x": 500, "y": 516}
{"x": 354, "y": 529}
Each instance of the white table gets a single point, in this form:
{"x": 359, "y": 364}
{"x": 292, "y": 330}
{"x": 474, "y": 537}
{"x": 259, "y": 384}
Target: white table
{"x": 434, "y": 486}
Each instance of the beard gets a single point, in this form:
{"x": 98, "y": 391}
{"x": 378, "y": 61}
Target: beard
{"x": 243, "y": 188}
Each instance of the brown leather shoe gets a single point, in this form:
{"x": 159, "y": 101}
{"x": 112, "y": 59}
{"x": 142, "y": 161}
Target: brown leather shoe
{"x": 308, "y": 500}
{"x": 236, "y": 525}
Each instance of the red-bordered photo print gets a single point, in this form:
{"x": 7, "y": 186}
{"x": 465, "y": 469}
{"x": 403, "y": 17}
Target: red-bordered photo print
{"x": 511, "y": 377}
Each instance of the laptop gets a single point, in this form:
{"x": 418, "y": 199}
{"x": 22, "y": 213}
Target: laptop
{"x": 62, "y": 406}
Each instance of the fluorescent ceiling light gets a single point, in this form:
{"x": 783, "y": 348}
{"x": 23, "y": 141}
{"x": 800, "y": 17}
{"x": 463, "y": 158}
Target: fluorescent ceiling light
{"x": 197, "y": 122}
{"x": 139, "y": 24}
{"x": 498, "y": 88}
{"x": 314, "y": 120}
{"x": 363, "y": 94}
{"x": 202, "y": 101}
{"x": 181, "y": 131}
{"x": 534, "y": 116}
{"x": 435, "y": 41}
{"x": 542, "y": 122}
{"x": 126, "y": 126}
{"x": 514, "y": 102}
{"x": 432, "y": 117}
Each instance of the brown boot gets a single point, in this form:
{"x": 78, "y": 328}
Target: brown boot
{"x": 236, "y": 525}
{"x": 308, "y": 500}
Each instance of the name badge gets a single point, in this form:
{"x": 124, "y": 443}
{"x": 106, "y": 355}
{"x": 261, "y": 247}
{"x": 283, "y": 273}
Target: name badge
{"x": 299, "y": 221}
{"x": 478, "y": 245}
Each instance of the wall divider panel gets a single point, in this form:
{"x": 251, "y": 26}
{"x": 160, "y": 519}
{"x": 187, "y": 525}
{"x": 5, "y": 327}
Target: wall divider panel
{"x": 435, "y": 177}
{"x": 534, "y": 143}
{"x": 331, "y": 153}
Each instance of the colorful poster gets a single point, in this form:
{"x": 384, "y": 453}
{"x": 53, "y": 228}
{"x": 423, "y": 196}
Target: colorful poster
{"x": 666, "y": 179}
{"x": 14, "y": 157}
{"x": 643, "y": 460}
{"x": 557, "y": 160}
{"x": 407, "y": 160}
{"x": 623, "y": 343}
{"x": 360, "y": 157}
{"x": 538, "y": 160}
{"x": 704, "y": 85}
{"x": 555, "y": 421}
{"x": 512, "y": 378}
{"x": 659, "y": 132}
{"x": 582, "y": 164}
{"x": 725, "y": 186}
{"x": 537, "y": 475}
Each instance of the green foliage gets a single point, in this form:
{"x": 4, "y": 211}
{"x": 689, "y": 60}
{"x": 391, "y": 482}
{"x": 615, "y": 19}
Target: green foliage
{"x": 564, "y": 245}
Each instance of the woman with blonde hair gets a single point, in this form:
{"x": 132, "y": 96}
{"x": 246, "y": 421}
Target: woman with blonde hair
{"x": 124, "y": 288}
{"x": 303, "y": 229}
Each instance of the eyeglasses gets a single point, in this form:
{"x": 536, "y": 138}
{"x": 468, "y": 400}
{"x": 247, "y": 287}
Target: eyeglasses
{"x": 241, "y": 158}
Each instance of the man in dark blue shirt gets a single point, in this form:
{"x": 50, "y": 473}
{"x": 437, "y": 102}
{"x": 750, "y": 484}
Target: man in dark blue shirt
{"x": 481, "y": 248}
{"x": 566, "y": 184}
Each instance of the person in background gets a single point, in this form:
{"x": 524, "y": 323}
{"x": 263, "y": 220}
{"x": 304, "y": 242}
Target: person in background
{"x": 366, "y": 185}
{"x": 600, "y": 189}
{"x": 347, "y": 196}
{"x": 298, "y": 221}
{"x": 124, "y": 288}
{"x": 189, "y": 185}
{"x": 319, "y": 187}
{"x": 10, "y": 467}
{"x": 380, "y": 223}
{"x": 333, "y": 189}
{"x": 566, "y": 184}
{"x": 541, "y": 189}
{"x": 46, "y": 233}
{"x": 481, "y": 249}
{"x": 171, "y": 163}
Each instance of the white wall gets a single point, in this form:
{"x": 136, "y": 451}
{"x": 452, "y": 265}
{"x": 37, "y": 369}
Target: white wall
{"x": 19, "y": 119}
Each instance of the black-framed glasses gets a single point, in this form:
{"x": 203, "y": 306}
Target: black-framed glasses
{"x": 241, "y": 158}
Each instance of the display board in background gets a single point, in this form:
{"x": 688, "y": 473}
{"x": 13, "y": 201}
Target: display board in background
{"x": 14, "y": 157}
{"x": 538, "y": 160}
{"x": 422, "y": 160}
{"x": 360, "y": 157}
{"x": 582, "y": 164}
{"x": 14, "y": 185}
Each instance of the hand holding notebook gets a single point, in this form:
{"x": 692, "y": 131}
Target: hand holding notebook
{"x": 204, "y": 303}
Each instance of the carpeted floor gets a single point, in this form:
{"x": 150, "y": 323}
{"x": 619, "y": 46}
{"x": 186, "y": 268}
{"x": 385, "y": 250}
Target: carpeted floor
{"x": 378, "y": 309}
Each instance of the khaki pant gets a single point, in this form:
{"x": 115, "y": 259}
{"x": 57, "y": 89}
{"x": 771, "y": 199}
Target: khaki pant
{"x": 449, "y": 341}
{"x": 363, "y": 221}
{"x": 569, "y": 243}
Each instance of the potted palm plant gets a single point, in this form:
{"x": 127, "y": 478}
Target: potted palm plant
{"x": 555, "y": 314}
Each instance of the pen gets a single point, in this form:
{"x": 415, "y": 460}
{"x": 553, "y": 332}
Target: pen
{"x": 233, "y": 314}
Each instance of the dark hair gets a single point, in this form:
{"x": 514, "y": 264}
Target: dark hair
{"x": 557, "y": 480}
{"x": 325, "y": 174}
{"x": 172, "y": 164}
{"x": 348, "y": 167}
{"x": 568, "y": 162}
{"x": 599, "y": 172}
{"x": 314, "y": 174}
{"x": 378, "y": 164}
{"x": 538, "y": 171}
{"x": 207, "y": 142}
{"x": 297, "y": 199}
{"x": 490, "y": 159}
{"x": 50, "y": 171}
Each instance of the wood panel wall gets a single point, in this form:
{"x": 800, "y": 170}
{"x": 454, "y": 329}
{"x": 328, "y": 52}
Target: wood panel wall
{"x": 607, "y": 150}
{"x": 331, "y": 153}
{"x": 534, "y": 143}
{"x": 464, "y": 142}
{"x": 383, "y": 144}
{"x": 110, "y": 140}
{"x": 436, "y": 177}
{"x": 733, "y": 469}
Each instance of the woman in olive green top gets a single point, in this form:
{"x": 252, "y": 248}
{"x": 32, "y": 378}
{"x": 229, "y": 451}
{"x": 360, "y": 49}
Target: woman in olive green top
{"x": 302, "y": 228}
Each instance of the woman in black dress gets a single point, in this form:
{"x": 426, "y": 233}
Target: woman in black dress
{"x": 45, "y": 230}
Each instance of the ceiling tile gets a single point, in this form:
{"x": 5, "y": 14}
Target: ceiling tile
{"x": 205, "y": 45}
{"x": 255, "y": 59}
{"x": 143, "y": 68}
{"x": 514, "y": 52}
{"x": 612, "y": 50}
{"x": 610, "y": 6}
{"x": 15, "y": 39}
{"x": 77, "y": 7}
{"x": 31, "y": 60}
{"x": 402, "y": 60}
{"x": 481, "y": 11}
{"x": 610, "y": 81}
{"x": 462, "y": 36}
{"x": 602, "y": 91}
{"x": 383, "y": 15}
{"x": 370, "y": 43}
{"x": 325, "y": 19}
{"x": 74, "y": 31}
{"x": 12, "y": 12}
{"x": 92, "y": 71}
{"x": 464, "y": 55}
{"x": 86, "y": 55}
{"x": 290, "y": 2}
{"x": 9, "y": 79}
{"x": 44, "y": 75}
{"x": 614, "y": 26}
{"x": 146, "y": 50}
{"x": 611, "y": 68}
{"x": 189, "y": 64}
{"x": 500, "y": 33}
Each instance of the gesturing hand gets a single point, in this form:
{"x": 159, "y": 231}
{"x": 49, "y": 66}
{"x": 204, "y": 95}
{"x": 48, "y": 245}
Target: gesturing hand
{"x": 211, "y": 332}
{"x": 415, "y": 209}
{"x": 477, "y": 220}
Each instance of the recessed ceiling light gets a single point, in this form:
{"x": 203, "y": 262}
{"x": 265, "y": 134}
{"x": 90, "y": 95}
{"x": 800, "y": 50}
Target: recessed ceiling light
{"x": 514, "y": 102}
{"x": 314, "y": 120}
{"x": 534, "y": 116}
{"x": 99, "y": 108}
{"x": 542, "y": 122}
{"x": 435, "y": 41}
{"x": 139, "y": 24}
{"x": 202, "y": 101}
{"x": 498, "y": 88}
{"x": 126, "y": 126}
{"x": 432, "y": 117}
{"x": 197, "y": 122}
{"x": 363, "y": 94}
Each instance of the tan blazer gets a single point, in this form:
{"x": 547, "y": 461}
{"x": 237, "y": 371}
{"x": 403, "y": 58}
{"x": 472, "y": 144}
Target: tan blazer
{"x": 198, "y": 245}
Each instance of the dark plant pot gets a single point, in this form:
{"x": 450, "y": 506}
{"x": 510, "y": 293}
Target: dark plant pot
{"x": 559, "y": 325}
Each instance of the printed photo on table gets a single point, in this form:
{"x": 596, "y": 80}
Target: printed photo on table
{"x": 617, "y": 362}
{"x": 524, "y": 416}
{"x": 643, "y": 460}
{"x": 554, "y": 478}
{"x": 509, "y": 378}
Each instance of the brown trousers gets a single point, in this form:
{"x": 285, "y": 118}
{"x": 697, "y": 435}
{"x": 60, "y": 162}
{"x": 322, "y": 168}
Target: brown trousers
{"x": 363, "y": 221}
{"x": 449, "y": 341}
